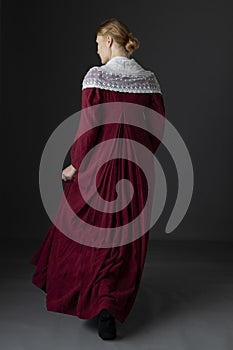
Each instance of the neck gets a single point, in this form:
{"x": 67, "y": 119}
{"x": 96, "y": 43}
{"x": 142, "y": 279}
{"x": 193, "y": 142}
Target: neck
{"x": 123, "y": 54}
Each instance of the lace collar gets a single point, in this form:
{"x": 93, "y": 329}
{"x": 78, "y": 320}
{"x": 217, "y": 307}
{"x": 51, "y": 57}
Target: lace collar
{"x": 122, "y": 74}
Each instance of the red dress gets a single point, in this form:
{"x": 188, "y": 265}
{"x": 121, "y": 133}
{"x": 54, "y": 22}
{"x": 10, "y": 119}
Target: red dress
{"x": 81, "y": 280}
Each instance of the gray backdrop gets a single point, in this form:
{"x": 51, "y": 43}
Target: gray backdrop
{"x": 47, "y": 47}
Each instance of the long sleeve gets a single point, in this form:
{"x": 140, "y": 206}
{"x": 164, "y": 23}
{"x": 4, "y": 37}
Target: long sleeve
{"x": 90, "y": 97}
{"x": 157, "y": 104}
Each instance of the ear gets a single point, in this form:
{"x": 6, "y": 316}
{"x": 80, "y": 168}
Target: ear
{"x": 109, "y": 40}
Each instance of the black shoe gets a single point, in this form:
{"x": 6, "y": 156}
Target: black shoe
{"x": 106, "y": 325}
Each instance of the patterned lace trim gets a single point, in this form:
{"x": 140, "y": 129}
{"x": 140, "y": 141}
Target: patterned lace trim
{"x": 137, "y": 83}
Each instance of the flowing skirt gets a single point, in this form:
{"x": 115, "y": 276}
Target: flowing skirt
{"x": 82, "y": 280}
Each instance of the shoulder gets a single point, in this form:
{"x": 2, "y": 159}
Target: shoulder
{"x": 155, "y": 82}
{"x": 93, "y": 77}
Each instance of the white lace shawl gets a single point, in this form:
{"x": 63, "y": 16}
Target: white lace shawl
{"x": 122, "y": 74}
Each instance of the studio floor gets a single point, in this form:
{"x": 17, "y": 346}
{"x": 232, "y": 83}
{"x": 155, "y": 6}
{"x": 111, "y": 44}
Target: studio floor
{"x": 185, "y": 302}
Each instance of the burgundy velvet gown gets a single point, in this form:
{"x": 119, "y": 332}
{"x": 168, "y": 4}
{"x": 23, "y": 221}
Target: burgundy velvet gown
{"x": 81, "y": 280}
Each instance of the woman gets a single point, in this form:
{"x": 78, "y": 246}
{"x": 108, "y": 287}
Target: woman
{"x": 83, "y": 280}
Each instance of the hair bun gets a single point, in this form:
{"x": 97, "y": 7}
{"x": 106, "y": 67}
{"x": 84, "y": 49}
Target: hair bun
{"x": 132, "y": 44}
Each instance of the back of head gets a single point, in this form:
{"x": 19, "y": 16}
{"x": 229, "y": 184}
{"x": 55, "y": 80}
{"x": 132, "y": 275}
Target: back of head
{"x": 120, "y": 33}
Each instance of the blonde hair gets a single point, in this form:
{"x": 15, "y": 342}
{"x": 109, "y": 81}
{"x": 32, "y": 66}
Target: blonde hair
{"x": 120, "y": 33}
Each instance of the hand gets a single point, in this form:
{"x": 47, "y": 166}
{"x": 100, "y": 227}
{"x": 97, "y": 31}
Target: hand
{"x": 68, "y": 172}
